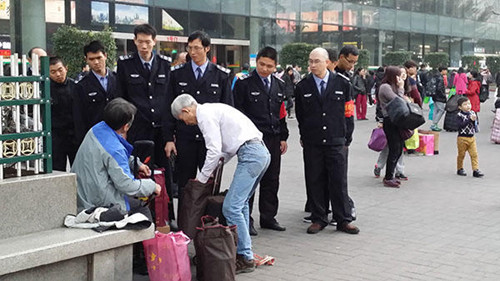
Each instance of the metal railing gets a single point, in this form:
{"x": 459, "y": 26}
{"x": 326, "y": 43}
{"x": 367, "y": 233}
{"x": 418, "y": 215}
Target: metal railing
{"x": 25, "y": 118}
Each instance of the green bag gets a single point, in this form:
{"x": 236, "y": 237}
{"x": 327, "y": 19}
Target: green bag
{"x": 413, "y": 142}
{"x": 453, "y": 91}
{"x": 426, "y": 99}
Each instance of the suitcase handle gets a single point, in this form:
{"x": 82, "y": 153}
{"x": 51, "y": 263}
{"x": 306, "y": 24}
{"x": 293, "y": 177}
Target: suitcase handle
{"x": 218, "y": 176}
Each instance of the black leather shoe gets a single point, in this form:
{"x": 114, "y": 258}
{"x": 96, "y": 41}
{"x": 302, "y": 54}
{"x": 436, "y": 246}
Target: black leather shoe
{"x": 461, "y": 172}
{"x": 348, "y": 228}
{"x": 252, "y": 230}
{"x": 274, "y": 226}
{"x": 477, "y": 174}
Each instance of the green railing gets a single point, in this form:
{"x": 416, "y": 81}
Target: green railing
{"x": 25, "y": 128}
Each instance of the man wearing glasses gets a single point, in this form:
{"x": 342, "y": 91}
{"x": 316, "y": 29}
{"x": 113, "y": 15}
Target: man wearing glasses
{"x": 207, "y": 83}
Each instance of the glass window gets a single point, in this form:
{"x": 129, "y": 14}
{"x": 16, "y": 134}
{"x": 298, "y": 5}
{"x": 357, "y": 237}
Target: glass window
{"x": 455, "y": 51}
{"x": 369, "y": 17}
{"x": 210, "y": 23}
{"x": 235, "y": 7}
{"x": 401, "y": 40}
{"x": 387, "y": 18}
{"x": 351, "y": 14}
{"x": 484, "y": 8}
{"x": 431, "y": 23}
{"x": 404, "y": 5}
{"x": 457, "y": 27}
{"x": 430, "y": 43}
{"x": 369, "y": 41}
{"x": 365, "y": 2}
{"x": 99, "y": 12}
{"x": 332, "y": 12}
{"x": 174, "y": 22}
{"x": 310, "y": 11}
{"x": 54, "y": 11}
{"x": 235, "y": 27}
{"x": 387, "y": 3}
{"x": 175, "y": 4}
{"x": 143, "y": 2}
{"x": 469, "y": 28}
{"x": 330, "y": 37}
{"x": 417, "y": 22}
{"x": 263, "y": 8}
{"x": 205, "y": 5}
{"x": 403, "y": 20}
{"x": 387, "y": 39}
{"x": 351, "y": 37}
{"x": 451, "y": 8}
{"x": 424, "y": 6}
{"x": 416, "y": 46}
{"x": 132, "y": 15}
{"x": 444, "y": 44}
{"x": 73, "y": 12}
{"x": 288, "y": 9}
{"x": 445, "y": 24}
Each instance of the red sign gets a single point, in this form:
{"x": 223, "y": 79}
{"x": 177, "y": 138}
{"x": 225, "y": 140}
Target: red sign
{"x": 5, "y": 53}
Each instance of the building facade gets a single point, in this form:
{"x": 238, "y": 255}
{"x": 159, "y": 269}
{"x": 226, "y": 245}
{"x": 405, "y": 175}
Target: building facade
{"x": 241, "y": 27}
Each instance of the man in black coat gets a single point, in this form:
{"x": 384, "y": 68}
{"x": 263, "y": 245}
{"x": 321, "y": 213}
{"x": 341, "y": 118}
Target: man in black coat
{"x": 324, "y": 112}
{"x": 206, "y": 82}
{"x": 62, "y": 93}
{"x": 260, "y": 96}
{"x": 143, "y": 80}
{"x": 94, "y": 90}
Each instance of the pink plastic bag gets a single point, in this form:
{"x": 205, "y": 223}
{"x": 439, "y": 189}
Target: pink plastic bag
{"x": 426, "y": 144}
{"x": 167, "y": 257}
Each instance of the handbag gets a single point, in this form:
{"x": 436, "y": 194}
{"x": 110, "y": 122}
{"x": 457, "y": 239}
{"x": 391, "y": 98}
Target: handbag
{"x": 167, "y": 257}
{"x": 404, "y": 114}
{"x": 378, "y": 141}
{"x": 215, "y": 246}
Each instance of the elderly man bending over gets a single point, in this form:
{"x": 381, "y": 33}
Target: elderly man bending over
{"x": 228, "y": 132}
{"x": 103, "y": 161}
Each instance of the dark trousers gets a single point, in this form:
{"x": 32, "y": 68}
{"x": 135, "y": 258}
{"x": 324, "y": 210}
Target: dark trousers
{"x": 395, "y": 144}
{"x": 324, "y": 172}
{"x": 190, "y": 157}
{"x": 63, "y": 147}
{"x": 269, "y": 184}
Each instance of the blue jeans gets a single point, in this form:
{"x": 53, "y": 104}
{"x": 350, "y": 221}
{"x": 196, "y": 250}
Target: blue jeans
{"x": 253, "y": 160}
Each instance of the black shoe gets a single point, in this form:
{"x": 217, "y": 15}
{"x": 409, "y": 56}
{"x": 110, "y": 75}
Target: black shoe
{"x": 461, "y": 172}
{"x": 348, "y": 228}
{"x": 333, "y": 222}
{"x": 274, "y": 226}
{"x": 252, "y": 230}
{"x": 401, "y": 176}
{"x": 307, "y": 219}
{"x": 477, "y": 174}
{"x": 243, "y": 265}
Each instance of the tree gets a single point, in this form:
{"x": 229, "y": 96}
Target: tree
{"x": 364, "y": 58}
{"x": 471, "y": 62}
{"x": 493, "y": 64}
{"x": 69, "y": 42}
{"x": 296, "y": 53}
{"x": 435, "y": 60}
{"x": 397, "y": 58}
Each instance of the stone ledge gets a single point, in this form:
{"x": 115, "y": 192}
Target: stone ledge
{"x": 51, "y": 246}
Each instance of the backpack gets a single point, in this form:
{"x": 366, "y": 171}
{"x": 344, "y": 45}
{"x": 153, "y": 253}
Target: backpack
{"x": 430, "y": 87}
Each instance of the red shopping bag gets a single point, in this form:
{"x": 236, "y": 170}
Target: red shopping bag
{"x": 167, "y": 257}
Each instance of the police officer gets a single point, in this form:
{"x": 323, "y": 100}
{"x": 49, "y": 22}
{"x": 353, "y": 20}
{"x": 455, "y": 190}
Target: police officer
{"x": 143, "y": 81}
{"x": 206, "y": 82}
{"x": 62, "y": 93}
{"x": 324, "y": 109}
{"x": 260, "y": 96}
{"x": 94, "y": 90}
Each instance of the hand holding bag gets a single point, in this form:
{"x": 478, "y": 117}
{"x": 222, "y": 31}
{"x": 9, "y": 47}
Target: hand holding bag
{"x": 378, "y": 141}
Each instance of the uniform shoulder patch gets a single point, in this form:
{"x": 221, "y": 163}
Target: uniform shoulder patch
{"x": 343, "y": 76}
{"x": 169, "y": 59}
{"x": 126, "y": 57}
{"x": 175, "y": 67}
{"x": 223, "y": 69}
{"x": 279, "y": 78}
{"x": 244, "y": 76}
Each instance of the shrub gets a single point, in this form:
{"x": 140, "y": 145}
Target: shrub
{"x": 436, "y": 60}
{"x": 296, "y": 53}
{"x": 69, "y": 42}
{"x": 493, "y": 64}
{"x": 397, "y": 58}
{"x": 471, "y": 62}
{"x": 363, "y": 59}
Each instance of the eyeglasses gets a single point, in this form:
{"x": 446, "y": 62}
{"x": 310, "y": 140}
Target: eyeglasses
{"x": 351, "y": 61}
{"x": 194, "y": 48}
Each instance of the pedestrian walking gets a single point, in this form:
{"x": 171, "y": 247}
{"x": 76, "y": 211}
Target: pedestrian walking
{"x": 439, "y": 96}
{"x": 360, "y": 92}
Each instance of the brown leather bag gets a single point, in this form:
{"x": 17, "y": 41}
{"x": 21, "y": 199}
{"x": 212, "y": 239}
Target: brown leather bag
{"x": 215, "y": 246}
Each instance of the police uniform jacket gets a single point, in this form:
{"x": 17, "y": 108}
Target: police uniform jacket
{"x": 61, "y": 96}
{"x": 148, "y": 94}
{"x": 325, "y": 119}
{"x": 213, "y": 87}
{"x": 90, "y": 101}
{"x": 261, "y": 106}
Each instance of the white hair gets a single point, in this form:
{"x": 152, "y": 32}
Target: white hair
{"x": 321, "y": 51}
{"x": 180, "y": 102}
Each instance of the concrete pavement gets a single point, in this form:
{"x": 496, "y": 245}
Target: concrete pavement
{"x": 437, "y": 226}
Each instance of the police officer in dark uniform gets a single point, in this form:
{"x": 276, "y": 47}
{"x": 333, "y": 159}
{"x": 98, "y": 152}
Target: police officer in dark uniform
{"x": 143, "y": 80}
{"x": 62, "y": 93}
{"x": 324, "y": 111}
{"x": 206, "y": 82}
{"x": 94, "y": 90}
{"x": 260, "y": 96}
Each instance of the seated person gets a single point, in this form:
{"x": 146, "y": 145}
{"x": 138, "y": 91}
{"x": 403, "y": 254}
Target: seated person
{"x": 103, "y": 161}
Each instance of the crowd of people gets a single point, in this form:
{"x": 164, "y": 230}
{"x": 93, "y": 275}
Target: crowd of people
{"x": 196, "y": 112}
